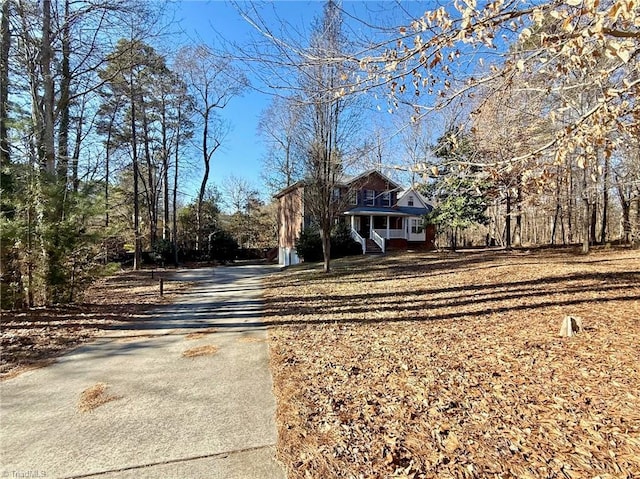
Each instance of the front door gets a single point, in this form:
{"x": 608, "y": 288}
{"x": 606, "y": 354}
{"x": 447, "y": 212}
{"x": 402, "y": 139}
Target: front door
{"x": 365, "y": 226}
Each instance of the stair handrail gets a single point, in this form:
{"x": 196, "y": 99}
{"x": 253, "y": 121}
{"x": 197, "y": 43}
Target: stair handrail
{"x": 379, "y": 240}
{"x": 356, "y": 236}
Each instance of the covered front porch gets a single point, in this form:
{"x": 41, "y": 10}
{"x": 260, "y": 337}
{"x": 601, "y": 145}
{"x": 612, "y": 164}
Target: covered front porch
{"x": 383, "y": 226}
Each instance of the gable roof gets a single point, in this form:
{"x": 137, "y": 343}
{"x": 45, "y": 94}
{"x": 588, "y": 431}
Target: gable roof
{"x": 289, "y": 189}
{"x": 343, "y": 181}
{"x": 415, "y": 210}
{"x": 417, "y": 194}
{"x": 348, "y": 180}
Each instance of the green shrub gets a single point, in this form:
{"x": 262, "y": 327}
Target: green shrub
{"x": 342, "y": 244}
{"x": 309, "y": 244}
{"x": 163, "y": 250}
{"x": 222, "y": 246}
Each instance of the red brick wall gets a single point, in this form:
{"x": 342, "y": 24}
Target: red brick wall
{"x": 376, "y": 183}
{"x": 397, "y": 243}
{"x": 290, "y": 217}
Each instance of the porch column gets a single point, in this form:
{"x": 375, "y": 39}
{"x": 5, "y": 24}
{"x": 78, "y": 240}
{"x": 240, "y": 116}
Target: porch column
{"x": 353, "y": 222}
{"x": 371, "y": 226}
{"x": 388, "y": 221}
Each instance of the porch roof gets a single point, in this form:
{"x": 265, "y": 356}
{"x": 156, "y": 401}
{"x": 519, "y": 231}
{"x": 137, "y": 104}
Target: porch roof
{"x": 374, "y": 211}
{"x": 415, "y": 210}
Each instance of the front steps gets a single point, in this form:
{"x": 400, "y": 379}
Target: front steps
{"x": 372, "y": 247}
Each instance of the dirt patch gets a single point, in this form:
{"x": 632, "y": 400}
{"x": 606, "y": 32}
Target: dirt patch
{"x": 251, "y": 339}
{"x": 451, "y": 365}
{"x": 200, "y": 334}
{"x": 94, "y": 397}
{"x": 31, "y": 338}
{"x": 207, "y": 350}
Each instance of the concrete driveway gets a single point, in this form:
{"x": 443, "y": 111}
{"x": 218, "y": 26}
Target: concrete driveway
{"x": 207, "y": 416}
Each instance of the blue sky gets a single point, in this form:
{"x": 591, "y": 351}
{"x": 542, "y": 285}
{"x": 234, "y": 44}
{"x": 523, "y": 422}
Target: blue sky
{"x": 215, "y": 22}
{"x": 205, "y": 21}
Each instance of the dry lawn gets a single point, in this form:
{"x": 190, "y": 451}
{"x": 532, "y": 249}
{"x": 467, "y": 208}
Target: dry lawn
{"x": 450, "y": 366}
{"x": 31, "y": 338}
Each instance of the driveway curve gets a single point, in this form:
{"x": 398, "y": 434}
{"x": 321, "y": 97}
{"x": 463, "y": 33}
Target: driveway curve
{"x": 185, "y": 393}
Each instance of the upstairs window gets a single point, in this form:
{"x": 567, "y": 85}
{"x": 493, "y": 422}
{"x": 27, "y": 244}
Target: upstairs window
{"x": 410, "y": 200}
{"x": 353, "y": 198}
{"x": 335, "y": 194}
{"x": 370, "y": 197}
{"x": 386, "y": 199}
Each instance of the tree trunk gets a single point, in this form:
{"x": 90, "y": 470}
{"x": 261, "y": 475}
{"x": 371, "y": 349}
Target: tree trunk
{"x": 570, "y": 208}
{"x": 625, "y": 203}
{"x": 558, "y": 210}
{"x": 586, "y": 222}
{"x": 605, "y": 200}
{"x": 137, "y": 256}
{"x": 166, "y": 232}
{"x": 75, "y": 179}
{"x": 152, "y": 200}
{"x": 174, "y": 209}
{"x": 7, "y": 271}
{"x": 5, "y": 46}
{"x": 507, "y": 220}
{"x": 556, "y": 219}
{"x": 30, "y": 301}
{"x": 174, "y": 232}
{"x": 46, "y": 145}
{"x": 593, "y": 224}
{"x": 205, "y": 177}
{"x": 325, "y": 236}
{"x": 586, "y": 227}
{"x": 63, "y": 103}
{"x": 107, "y": 172}
{"x": 517, "y": 237}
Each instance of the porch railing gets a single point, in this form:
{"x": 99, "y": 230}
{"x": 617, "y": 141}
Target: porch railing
{"x": 379, "y": 240}
{"x": 397, "y": 233}
{"x": 356, "y": 236}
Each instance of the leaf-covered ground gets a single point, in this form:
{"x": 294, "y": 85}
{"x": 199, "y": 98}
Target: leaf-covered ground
{"x": 441, "y": 365}
{"x": 33, "y": 338}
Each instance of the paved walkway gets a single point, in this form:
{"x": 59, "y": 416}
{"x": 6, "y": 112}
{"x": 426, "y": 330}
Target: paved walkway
{"x": 176, "y": 417}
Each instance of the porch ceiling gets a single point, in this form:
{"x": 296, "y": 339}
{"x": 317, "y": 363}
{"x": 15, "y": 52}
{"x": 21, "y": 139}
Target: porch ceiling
{"x": 363, "y": 211}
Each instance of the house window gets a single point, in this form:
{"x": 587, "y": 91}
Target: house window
{"x": 416, "y": 226}
{"x": 370, "y": 197}
{"x": 335, "y": 194}
{"x": 410, "y": 201}
{"x": 396, "y": 223}
{"x": 353, "y": 198}
{"x": 379, "y": 222}
{"x": 386, "y": 199}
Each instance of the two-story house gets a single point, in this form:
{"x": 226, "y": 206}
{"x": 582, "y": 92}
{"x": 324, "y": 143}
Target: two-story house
{"x": 382, "y": 215}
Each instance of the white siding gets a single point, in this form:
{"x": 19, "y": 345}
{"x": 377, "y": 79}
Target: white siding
{"x": 287, "y": 256}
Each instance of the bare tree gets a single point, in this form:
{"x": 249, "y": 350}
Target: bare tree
{"x": 279, "y": 127}
{"x": 324, "y": 123}
{"x": 214, "y": 81}
{"x": 238, "y": 193}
